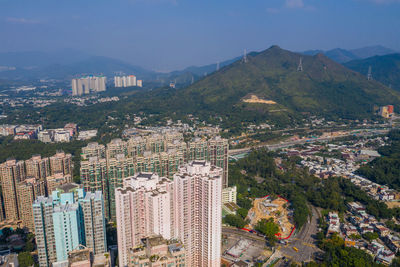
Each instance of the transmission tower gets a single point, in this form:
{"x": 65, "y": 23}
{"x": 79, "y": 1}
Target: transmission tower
{"x": 300, "y": 67}
{"x": 245, "y": 56}
{"x": 369, "y": 75}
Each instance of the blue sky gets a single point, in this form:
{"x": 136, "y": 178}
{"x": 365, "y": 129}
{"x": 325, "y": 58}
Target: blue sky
{"x": 173, "y": 34}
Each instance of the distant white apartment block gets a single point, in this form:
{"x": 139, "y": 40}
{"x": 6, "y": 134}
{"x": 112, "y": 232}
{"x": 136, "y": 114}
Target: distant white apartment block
{"x": 86, "y": 135}
{"x": 88, "y": 84}
{"x": 229, "y": 195}
{"x": 125, "y": 81}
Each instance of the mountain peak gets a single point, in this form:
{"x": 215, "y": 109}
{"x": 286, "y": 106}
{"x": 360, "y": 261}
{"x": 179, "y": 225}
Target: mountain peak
{"x": 273, "y": 47}
{"x": 322, "y": 87}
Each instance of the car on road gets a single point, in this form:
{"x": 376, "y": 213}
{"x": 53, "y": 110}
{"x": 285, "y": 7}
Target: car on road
{"x": 295, "y": 249}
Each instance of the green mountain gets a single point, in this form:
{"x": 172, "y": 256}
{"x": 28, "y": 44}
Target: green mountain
{"x": 323, "y": 87}
{"x": 385, "y": 69}
{"x": 266, "y": 88}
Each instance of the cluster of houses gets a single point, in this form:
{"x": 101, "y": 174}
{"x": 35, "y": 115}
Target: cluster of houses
{"x": 352, "y": 157}
{"x": 343, "y": 160}
{"x": 36, "y": 131}
{"x": 89, "y": 100}
{"x": 359, "y": 223}
{"x": 59, "y": 135}
{"x": 327, "y": 167}
{"x": 376, "y": 191}
{"x": 23, "y": 131}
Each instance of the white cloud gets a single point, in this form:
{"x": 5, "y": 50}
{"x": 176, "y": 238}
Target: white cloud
{"x": 22, "y": 20}
{"x": 294, "y": 3}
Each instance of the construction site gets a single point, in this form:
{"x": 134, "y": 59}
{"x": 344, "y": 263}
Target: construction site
{"x": 276, "y": 208}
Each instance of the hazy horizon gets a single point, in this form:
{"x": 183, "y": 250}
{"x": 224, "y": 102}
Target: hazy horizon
{"x": 167, "y": 35}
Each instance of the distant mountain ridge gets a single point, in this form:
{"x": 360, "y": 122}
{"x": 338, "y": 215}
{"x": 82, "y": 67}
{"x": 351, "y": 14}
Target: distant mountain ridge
{"x": 88, "y": 65}
{"x": 342, "y": 55}
{"x": 69, "y": 63}
{"x": 385, "y": 69}
{"x": 192, "y": 73}
{"x": 36, "y": 59}
{"x": 324, "y": 87}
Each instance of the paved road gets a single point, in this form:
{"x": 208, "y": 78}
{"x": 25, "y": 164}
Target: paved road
{"x": 242, "y": 233}
{"x": 304, "y": 241}
{"x": 367, "y": 132}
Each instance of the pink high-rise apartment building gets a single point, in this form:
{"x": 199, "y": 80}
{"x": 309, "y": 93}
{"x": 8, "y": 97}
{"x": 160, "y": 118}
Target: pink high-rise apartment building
{"x": 143, "y": 208}
{"x": 187, "y": 208}
{"x": 197, "y": 212}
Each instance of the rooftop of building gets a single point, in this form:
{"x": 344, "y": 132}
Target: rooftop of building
{"x": 68, "y": 207}
{"x": 198, "y": 162}
{"x": 94, "y": 145}
{"x": 146, "y": 175}
{"x": 153, "y": 241}
{"x": 66, "y": 188}
{"x": 100, "y": 260}
{"x": 94, "y": 195}
{"x": 175, "y": 247}
{"x": 79, "y": 254}
{"x": 44, "y": 200}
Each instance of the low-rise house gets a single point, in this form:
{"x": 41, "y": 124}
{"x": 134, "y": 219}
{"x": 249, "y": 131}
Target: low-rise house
{"x": 385, "y": 257}
{"x": 156, "y": 251}
{"x": 382, "y": 230}
{"x": 393, "y": 243}
{"x": 334, "y": 223}
{"x": 366, "y": 229}
{"x": 375, "y": 248}
{"x": 349, "y": 230}
{"x": 355, "y": 207}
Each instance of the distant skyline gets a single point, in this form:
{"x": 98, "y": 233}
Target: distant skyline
{"x": 166, "y": 35}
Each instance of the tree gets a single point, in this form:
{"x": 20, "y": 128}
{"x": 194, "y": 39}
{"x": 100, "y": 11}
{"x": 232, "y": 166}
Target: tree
{"x": 25, "y": 259}
{"x": 6, "y": 232}
{"x": 370, "y": 236}
{"x": 242, "y": 212}
{"x": 234, "y": 220}
{"x": 29, "y": 247}
{"x": 355, "y": 236}
{"x": 395, "y": 262}
{"x": 268, "y": 228}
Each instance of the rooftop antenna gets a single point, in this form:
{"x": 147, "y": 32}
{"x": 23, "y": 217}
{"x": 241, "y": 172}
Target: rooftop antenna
{"x": 369, "y": 75}
{"x": 300, "y": 67}
{"x": 217, "y": 65}
{"x": 245, "y": 56}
